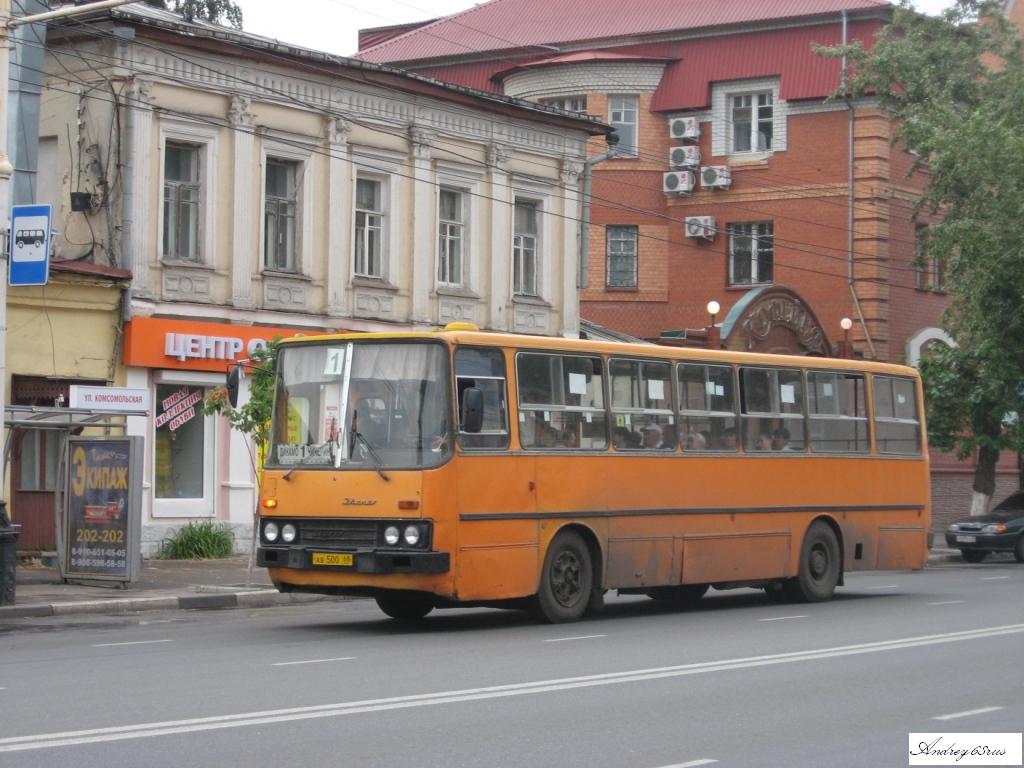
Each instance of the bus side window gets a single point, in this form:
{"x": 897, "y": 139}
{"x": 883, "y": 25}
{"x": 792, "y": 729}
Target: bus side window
{"x": 483, "y": 369}
{"x": 837, "y": 412}
{"x": 561, "y": 402}
{"x": 897, "y": 429}
{"x": 707, "y": 408}
{"x": 773, "y": 410}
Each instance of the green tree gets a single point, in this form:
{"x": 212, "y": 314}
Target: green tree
{"x": 955, "y": 86}
{"x": 214, "y": 11}
{"x": 252, "y": 418}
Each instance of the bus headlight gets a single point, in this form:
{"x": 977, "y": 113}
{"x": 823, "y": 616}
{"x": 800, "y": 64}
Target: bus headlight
{"x": 412, "y": 535}
{"x": 288, "y": 533}
{"x": 270, "y": 531}
{"x": 391, "y": 535}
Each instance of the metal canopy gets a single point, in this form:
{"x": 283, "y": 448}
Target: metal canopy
{"x": 67, "y": 419}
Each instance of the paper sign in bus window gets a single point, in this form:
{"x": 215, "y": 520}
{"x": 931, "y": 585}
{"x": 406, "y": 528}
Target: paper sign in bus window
{"x": 656, "y": 389}
{"x": 788, "y": 393}
{"x": 577, "y": 383}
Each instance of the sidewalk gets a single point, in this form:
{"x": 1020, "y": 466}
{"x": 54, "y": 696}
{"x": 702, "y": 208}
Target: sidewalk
{"x": 166, "y": 585}
{"x": 162, "y": 585}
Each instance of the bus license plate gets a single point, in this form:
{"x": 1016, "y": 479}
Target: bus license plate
{"x": 331, "y": 558}
{"x": 967, "y": 539}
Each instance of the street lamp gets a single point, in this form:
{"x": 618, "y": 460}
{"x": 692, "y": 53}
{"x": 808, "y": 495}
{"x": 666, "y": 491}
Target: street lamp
{"x": 713, "y": 307}
{"x": 846, "y": 324}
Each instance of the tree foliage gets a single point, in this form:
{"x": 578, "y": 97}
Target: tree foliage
{"x": 252, "y": 417}
{"x": 223, "y": 12}
{"x": 955, "y": 86}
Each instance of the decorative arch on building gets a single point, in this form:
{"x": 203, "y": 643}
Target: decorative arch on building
{"x": 777, "y": 320}
{"x": 921, "y": 339}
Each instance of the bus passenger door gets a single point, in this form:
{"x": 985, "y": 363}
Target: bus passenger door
{"x": 496, "y": 496}
{"x": 497, "y": 556}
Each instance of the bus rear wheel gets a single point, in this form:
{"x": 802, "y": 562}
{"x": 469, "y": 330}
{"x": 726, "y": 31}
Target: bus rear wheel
{"x": 566, "y": 582}
{"x": 684, "y": 596}
{"x": 404, "y": 608}
{"x": 818, "y": 574}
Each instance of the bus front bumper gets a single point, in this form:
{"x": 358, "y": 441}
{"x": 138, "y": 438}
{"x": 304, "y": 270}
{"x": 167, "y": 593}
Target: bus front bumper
{"x": 353, "y": 561}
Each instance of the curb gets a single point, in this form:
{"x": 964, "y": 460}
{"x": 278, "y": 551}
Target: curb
{"x": 214, "y": 601}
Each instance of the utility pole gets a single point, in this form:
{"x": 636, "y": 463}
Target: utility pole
{"x": 8, "y": 23}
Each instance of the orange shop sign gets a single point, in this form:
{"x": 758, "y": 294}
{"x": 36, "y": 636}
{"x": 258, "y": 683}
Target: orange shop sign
{"x": 194, "y": 346}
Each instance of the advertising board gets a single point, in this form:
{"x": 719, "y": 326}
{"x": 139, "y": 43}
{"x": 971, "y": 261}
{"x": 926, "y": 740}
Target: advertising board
{"x": 102, "y": 514}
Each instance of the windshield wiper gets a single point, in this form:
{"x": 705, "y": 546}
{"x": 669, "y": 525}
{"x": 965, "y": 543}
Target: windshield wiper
{"x": 373, "y": 454}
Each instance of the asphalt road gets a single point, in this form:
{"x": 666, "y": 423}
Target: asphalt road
{"x": 738, "y": 681}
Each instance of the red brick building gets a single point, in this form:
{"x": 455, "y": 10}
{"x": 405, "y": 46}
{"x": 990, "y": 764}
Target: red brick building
{"x": 736, "y": 179}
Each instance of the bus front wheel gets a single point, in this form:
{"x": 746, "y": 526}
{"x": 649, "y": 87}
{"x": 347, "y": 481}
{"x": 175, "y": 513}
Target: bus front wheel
{"x": 404, "y": 609}
{"x": 566, "y": 581}
{"x": 818, "y": 575}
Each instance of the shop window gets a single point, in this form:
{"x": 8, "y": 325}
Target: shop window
{"x": 181, "y": 462}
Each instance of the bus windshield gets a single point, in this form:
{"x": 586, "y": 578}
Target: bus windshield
{"x": 361, "y": 405}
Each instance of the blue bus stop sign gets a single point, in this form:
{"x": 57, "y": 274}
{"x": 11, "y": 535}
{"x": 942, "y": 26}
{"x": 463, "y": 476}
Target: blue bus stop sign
{"x": 29, "y": 245}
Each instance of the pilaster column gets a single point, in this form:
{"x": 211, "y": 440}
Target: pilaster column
{"x": 424, "y": 232}
{"x": 339, "y": 213}
{"x": 502, "y": 204}
{"x": 140, "y": 149}
{"x": 243, "y": 258}
{"x": 572, "y": 257}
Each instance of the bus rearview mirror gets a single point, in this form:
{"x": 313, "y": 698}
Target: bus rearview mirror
{"x": 472, "y": 410}
{"x": 234, "y": 376}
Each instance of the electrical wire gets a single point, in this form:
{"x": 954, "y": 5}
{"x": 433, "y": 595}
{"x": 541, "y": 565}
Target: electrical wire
{"x": 645, "y": 236}
{"x": 792, "y": 244}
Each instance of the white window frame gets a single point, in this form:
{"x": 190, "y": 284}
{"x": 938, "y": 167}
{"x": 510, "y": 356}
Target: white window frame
{"x": 292, "y": 151}
{"x": 205, "y": 137}
{"x": 467, "y": 180}
{"x": 446, "y": 228}
{"x": 382, "y": 166}
{"x": 721, "y": 118}
{"x": 622, "y": 149}
{"x": 205, "y": 506}
{"x": 577, "y": 104}
{"x": 755, "y": 235}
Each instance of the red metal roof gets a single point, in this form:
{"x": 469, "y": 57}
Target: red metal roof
{"x": 509, "y": 24}
{"x": 697, "y": 63}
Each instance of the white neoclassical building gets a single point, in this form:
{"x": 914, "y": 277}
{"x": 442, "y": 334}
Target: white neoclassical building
{"x": 255, "y": 189}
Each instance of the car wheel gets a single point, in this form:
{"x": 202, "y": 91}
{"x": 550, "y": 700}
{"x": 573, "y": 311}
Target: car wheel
{"x": 566, "y": 581}
{"x": 683, "y": 596}
{"x": 818, "y": 574}
{"x": 973, "y": 555}
{"x": 405, "y": 609}
{"x": 1018, "y": 551}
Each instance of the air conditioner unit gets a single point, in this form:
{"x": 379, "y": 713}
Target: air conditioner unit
{"x": 677, "y": 182}
{"x": 684, "y": 157}
{"x": 684, "y": 128}
{"x": 701, "y": 226}
{"x": 715, "y": 176}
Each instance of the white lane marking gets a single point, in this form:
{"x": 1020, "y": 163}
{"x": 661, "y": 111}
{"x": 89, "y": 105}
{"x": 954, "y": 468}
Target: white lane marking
{"x": 311, "y": 661}
{"x": 994, "y": 578}
{"x": 566, "y": 639}
{"x": 968, "y": 713}
{"x": 691, "y": 764}
{"x": 783, "y": 618}
{"x": 157, "y": 621}
{"x": 134, "y": 642}
{"x": 948, "y": 602}
{"x": 885, "y": 586}
{"x": 339, "y": 709}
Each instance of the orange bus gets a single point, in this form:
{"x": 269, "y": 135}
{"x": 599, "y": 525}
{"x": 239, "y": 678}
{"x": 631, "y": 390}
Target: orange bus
{"x": 461, "y": 468}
